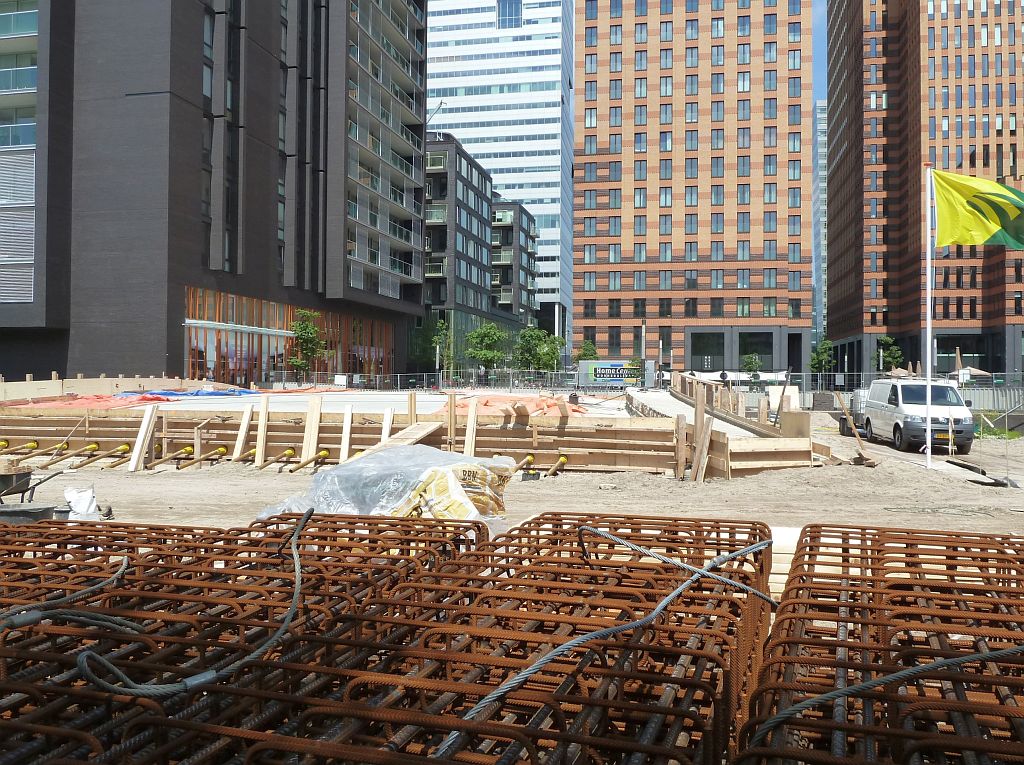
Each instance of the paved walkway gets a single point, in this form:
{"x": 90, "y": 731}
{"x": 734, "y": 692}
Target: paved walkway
{"x": 669, "y": 406}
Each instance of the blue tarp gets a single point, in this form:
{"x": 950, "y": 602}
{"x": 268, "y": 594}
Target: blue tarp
{"x": 191, "y": 393}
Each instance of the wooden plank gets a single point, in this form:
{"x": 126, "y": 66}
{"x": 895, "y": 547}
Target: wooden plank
{"x": 261, "y": 430}
{"x": 411, "y": 420}
{"x": 741, "y": 467}
{"x": 763, "y": 445}
{"x": 386, "y": 425}
{"x": 142, "y": 441}
{"x": 311, "y": 434}
{"x": 762, "y": 410}
{"x": 197, "y": 441}
{"x": 346, "y": 435}
{"x": 413, "y": 434}
{"x": 563, "y": 407}
{"x": 681, "y": 446}
{"x": 243, "y": 433}
{"x": 470, "y": 446}
{"x": 853, "y": 427}
{"x": 521, "y": 409}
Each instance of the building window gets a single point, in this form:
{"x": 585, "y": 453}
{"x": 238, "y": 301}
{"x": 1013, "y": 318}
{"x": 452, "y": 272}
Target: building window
{"x": 615, "y": 308}
{"x": 589, "y": 309}
{"x": 743, "y": 307}
{"x": 690, "y": 307}
{"x": 717, "y": 308}
{"x": 614, "y": 341}
{"x": 664, "y": 308}
{"x": 639, "y": 308}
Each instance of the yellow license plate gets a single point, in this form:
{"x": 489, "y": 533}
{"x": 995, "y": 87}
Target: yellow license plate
{"x": 942, "y": 436}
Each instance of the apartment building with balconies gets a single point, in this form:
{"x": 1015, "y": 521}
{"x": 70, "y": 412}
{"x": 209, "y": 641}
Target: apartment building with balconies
{"x": 202, "y": 170}
{"x": 514, "y": 262}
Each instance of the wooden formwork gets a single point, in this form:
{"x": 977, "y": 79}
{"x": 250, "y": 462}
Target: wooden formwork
{"x": 146, "y": 438}
{"x": 316, "y": 438}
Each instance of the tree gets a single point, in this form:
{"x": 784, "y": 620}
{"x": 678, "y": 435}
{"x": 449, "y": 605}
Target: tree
{"x": 587, "y": 352}
{"x": 487, "y": 344}
{"x": 308, "y": 345}
{"x": 442, "y": 339}
{"x": 891, "y": 355}
{"x": 821, "y": 357}
{"x": 537, "y": 348}
{"x": 752, "y": 363}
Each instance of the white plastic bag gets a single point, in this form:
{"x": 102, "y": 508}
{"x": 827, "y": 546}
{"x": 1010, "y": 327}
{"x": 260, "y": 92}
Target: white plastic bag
{"x": 410, "y": 481}
{"x": 82, "y": 503}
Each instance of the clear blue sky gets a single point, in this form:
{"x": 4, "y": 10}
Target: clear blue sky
{"x": 820, "y": 33}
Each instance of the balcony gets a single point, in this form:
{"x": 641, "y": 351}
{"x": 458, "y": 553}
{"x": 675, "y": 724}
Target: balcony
{"x": 17, "y": 135}
{"x": 436, "y": 267}
{"x": 502, "y": 218}
{"x": 436, "y": 214}
{"x": 17, "y": 80}
{"x": 502, "y": 257}
{"x": 19, "y": 24}
{"x": 505, "y": 296}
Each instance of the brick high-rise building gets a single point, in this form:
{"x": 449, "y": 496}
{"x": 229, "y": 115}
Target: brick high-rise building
{"x": 910, "y": 82}
{"x": 694, "y": 139}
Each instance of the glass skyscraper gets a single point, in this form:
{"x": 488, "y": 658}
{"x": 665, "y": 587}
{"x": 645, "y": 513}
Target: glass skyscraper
{"x": 500, "y": 80}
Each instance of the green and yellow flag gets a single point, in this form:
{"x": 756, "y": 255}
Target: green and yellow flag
{"x": 977, "y": 211}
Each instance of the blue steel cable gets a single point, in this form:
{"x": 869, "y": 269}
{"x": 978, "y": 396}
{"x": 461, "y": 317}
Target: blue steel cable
{"x": 773, "y": 722}
{"x": 516, "y": 682}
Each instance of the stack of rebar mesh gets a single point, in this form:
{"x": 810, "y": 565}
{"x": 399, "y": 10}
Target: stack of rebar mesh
{"x": 865, "y": 604}
{"x": 403, "y": 627}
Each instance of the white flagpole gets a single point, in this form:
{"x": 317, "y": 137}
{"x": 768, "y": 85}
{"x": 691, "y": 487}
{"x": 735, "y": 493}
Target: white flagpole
{"x": 930, "y": 192}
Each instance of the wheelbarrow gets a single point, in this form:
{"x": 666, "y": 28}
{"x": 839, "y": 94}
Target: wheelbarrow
{"x": 19, "y": 482}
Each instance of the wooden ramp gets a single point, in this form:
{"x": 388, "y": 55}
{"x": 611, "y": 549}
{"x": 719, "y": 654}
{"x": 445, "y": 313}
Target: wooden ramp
{"x": 409, "y": 436}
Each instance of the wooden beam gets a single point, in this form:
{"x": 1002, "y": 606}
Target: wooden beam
{"x": 243, "y": 433}
{"x": 311, "y": 434}
{"x": 140, "y": 450}
{"x": 412, "y": 419}
{"x": 261, "y": 430}
{"x": 469, "y": 449}
{"x": 346, "y": 435}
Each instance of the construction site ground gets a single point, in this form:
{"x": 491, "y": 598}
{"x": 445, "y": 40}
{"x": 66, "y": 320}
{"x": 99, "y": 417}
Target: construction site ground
{"x": 896, "y": 493}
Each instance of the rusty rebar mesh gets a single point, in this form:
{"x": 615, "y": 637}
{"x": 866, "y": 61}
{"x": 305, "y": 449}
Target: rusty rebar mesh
{"x": 864, "y": 603}
{"x": 404, "y": 626}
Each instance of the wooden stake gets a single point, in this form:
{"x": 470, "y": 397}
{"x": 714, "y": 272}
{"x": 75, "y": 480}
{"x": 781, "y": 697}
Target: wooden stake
{"x": 680, "y": 445}
{"x": 243, "y": 433}
{"x": 469, "y": 448}
{"x": 140, "y": 450}
{"x": 261, "y": 430}
{"x": 700, "y": 457}
{"x": 346, "y": 435}
{"x": 385, "y": 428}
{"x": 452, "y": 420}
{"x": 412, "y": 408}
{"x": 311, "y": 434}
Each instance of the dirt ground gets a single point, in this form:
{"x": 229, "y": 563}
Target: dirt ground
{"x": 896, "y": 493}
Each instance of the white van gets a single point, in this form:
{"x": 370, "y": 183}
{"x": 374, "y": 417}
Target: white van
{"x": 895, "y": 410}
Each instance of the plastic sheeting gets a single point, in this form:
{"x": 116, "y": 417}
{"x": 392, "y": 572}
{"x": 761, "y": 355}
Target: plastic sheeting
{"x": 410, "y": 481}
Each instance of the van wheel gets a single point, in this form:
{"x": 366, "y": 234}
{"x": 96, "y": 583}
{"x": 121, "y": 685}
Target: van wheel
{"x": 869, "y": 433}
{"x": 844, "y": 427}
{"x": 964, "y": 448}
{"x": 899, "y": 442}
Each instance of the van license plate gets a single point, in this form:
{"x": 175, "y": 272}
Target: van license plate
{"x": 942, "y": 436}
